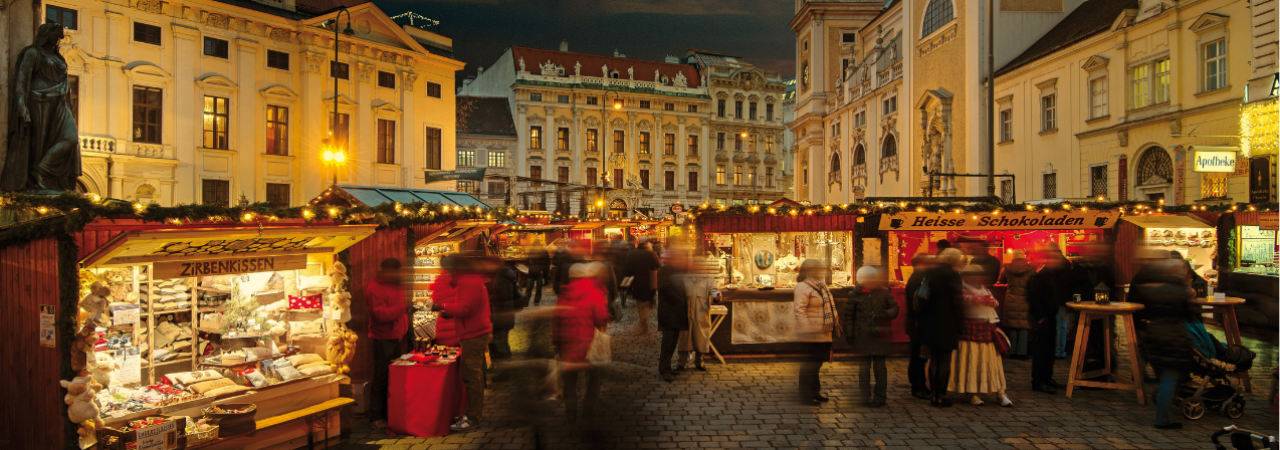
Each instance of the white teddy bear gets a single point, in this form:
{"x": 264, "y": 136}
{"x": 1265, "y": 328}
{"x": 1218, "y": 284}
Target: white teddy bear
{"x": 83, "y": 411}
{"x": 340, "y": 307}
{"x": 101, "y": 369}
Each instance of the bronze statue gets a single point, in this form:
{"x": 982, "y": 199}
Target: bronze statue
{"x": 44, "y": 148}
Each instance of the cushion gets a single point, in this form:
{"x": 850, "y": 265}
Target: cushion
{"x": 257, "y": 353}
{"x": 256, "y": 378}
{"x": 189, "y": 378}
{"x": 304, "y": 359}
{"x": 317, "y": 370}
{"x": 307, "y": 328}
{"x": 284, "y": 369}
{"x": 206, "y": 386}
{"x": 233, "y": 388}
{"x": 304, "y": 367}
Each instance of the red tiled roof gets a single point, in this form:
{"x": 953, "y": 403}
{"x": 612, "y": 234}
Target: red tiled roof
{"x": 591, "y": 65}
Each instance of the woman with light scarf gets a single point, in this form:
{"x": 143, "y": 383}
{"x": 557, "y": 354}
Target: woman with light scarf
{"x": 816, "y": 319}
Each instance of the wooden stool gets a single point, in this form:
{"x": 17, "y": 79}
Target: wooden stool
{"x": 718, "y": 313}
{"x": 1226, "y": 310}
{"x": 1088, "y": 313}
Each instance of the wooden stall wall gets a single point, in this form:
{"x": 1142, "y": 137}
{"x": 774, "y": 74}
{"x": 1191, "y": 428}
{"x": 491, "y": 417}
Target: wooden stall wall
{"x": 90, "y": 240}
{"x": 1128, "y": 235}
{"x": 729, "y": 223}
{"x": 33, "y": 415}
{"x": 363, "y": 260}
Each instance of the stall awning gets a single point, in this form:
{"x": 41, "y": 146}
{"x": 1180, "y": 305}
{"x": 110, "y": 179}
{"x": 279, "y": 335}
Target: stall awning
{"x": 542, "y": 228}
{"x": 201, "y": 244}
{"x": 1170, "y": 221}
{"x": 373, "y": 196}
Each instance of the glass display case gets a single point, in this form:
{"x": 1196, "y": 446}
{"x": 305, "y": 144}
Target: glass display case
{"x": 773, "y": 259}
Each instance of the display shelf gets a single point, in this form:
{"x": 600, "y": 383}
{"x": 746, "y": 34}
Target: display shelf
{"x": 246, "y": 363}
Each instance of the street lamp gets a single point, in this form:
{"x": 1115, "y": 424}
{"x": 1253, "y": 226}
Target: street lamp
{"x": 335, "y": 155}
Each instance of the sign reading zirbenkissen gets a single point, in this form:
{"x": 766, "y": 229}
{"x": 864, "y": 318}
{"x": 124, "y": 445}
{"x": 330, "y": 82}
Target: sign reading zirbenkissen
{"x": 1027, "y": 220}
{"x": 164, "y": 270}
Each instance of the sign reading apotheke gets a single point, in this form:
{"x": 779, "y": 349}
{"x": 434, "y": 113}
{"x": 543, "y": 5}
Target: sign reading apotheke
{"x": 1024, "y": 220}
{"x": 1215, "y": 159}
{"x": 227, "y": 266}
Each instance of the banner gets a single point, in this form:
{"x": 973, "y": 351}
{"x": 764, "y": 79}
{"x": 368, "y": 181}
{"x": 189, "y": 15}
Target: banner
{"x": 1259, "y": 180}
{"x": 476, "y": 174}
{"x": 165, "y": 270}
{"x": 1025, "y": 220}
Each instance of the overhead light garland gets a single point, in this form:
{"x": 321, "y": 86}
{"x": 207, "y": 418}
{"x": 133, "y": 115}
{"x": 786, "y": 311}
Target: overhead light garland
{"x": 970, "y": 209}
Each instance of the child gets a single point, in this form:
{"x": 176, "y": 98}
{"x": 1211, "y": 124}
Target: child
{"x": 866, "y": 327}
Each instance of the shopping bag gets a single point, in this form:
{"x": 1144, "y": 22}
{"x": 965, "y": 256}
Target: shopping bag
{"x": 601, "y": 351}
{"x": 1001, "y": 340}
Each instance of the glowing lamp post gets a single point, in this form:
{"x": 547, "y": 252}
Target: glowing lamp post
{"x": 335, "y": 158}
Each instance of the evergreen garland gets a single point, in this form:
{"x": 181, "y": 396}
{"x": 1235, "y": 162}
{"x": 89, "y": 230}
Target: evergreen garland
{"x": 971, "y": 208}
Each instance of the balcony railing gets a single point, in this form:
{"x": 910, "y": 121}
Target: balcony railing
{"x": 611, "y": 82}
{"x": 112, "y": 146}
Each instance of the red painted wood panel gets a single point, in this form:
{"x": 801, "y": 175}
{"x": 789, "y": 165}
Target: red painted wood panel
{"x": 1128, "y": 235}
{"x": 33, "y": 410}
{"x": 743, "y": 223}
{"x": 365, "y": 258}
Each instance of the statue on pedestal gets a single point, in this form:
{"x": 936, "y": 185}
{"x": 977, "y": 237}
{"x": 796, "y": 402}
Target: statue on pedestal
{"x": 44, "y": 148}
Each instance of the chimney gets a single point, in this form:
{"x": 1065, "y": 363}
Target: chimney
{"x": 564, "y": 45}
{"x": 615, "y": 53}
{"x": 673, "y": 59}
{"x": 479, "y": 71}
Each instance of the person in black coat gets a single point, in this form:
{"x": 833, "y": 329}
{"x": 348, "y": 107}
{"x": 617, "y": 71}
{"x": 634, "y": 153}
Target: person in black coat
{"x": 866, "y": 319}
{"x": 1166, "y": 340}
{"x": 564, "y": 259}
{"x": 1047, "y": 291}
{"x": 503, "y": 306}
{"x": 1087, "y": 273}
{"x": 673, "y": 311}
{"x": 539, "y": 267}
{"x": 938, "y": 326}
{"x": 921, "y": 264}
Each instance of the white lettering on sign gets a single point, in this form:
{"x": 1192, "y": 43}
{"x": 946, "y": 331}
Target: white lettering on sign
{"x": 1215, "y": 161}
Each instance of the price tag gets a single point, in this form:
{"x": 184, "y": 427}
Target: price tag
{"x": 48, "y": 334}
{"x": 159, "y": 437}
{"x": 130, "y": 362}
{"x": 125, "y": 314}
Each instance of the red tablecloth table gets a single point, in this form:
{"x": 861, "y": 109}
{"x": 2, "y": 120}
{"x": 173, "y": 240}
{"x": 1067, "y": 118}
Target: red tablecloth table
{"x": 424, "y": 399}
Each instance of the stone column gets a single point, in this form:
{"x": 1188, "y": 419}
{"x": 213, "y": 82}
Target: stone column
{"x": 633, "y": 148}
{"x": 707, "y": 172}
{"x": 409, "y": 131}
{"x": 682, "y": 151}
{"x": 364, "y": 140}
{"x": 522, "y": 141}
{"x": 179, "y": 100}
{"x": 313, "y": 116}
{"x": 246, "y": 132}
{"x": 578, "y": 146}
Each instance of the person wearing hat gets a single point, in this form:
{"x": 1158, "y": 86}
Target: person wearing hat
{"x": 1017, "y": 322}
{"x": 976, "y": 367}
{"x": 866, "y": 327}
{"x": 580, "y": 311}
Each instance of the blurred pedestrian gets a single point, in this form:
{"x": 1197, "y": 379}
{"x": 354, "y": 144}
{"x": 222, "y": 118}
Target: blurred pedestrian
{"x": 976, "y": 367}
{"x": 673, "y": 313}
{"x": 943, "y": 245}
{"x": 644, "y": 264}
{"x": 504, "y": 303}
{"x": 866, "y": 327}
{"x": 580, "y": 312}
{"x": 388, "y": 323}
{"x": 620, "y": 271}
{"x": 940, "y": 321}
{"x": 573, "y": 252}
{"x": 1016, "y": 309}
{"x": 701, "y": 291}
{"x": 469, "y": 309}
{"x": 816, "y": 319}
{"x": 1168, "y": 339}
{"x": 1093, "y": 271}
{"x": 539, "y": 268}
{"x": 920, "y": 266}
{"x": 979, "y": 255}
{"x": 1048, "y": 292}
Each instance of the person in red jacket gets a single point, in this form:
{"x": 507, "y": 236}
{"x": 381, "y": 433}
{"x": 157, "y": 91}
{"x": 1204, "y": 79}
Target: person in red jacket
{"x": 468, "y": 307}
{"x": 580, "y": 310}
{"x": 388, "y": 322}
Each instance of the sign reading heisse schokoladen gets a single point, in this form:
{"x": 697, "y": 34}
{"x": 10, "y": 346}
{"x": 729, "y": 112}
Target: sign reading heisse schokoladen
{"x": 164, "y": 270}
{"x": 1023, "y": 220}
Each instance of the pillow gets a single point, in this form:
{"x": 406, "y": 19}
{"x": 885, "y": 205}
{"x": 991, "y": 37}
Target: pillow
{"x": 284, "y": 369}
{"x": 307, "y": 328}
{"x": 233, "y": 388}
{"x": 256, "y": 378}
{"x": 304, "y": 359}
{"x": 181, "y": 345}
{"x": 317, "y": 282}
{"x": 303, "y": 368}
{"x": 206, "y": 386}
{"x": 189, "y": 378}
{"x": 316, "y": 371}
{"x": 257, "y": 353}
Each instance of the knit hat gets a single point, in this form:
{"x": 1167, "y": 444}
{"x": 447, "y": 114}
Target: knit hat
{"x": 867, "y": 273}
{"x": 1019, "y": 254}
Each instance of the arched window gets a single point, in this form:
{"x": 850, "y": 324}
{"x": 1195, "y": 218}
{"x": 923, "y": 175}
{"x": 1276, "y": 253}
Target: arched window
{"x": 1155, "y": 167}
{"x": 936, "y": 15}
{"x": 859, "y": 155}
{"x": 890, "y": 147}
{"x": 835, "y": 162}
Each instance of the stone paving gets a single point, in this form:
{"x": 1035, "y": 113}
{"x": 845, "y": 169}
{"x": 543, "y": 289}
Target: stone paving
{"x": 749, "y": 404}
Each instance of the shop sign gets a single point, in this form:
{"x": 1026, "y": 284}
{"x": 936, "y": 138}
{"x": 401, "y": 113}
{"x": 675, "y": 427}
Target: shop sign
{"x": 1027, "y": 220}
{"x": 165, "y": 270}
{"x": 1269, "y": 221}
{"x": 475, "y": 174}
{"x": 1259, "y": 180}
{"x": 1215, "y": 160}
{"x": 160, "y": 437}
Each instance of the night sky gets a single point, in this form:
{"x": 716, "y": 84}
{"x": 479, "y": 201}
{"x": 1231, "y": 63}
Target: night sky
{"x": 643, "y": 29}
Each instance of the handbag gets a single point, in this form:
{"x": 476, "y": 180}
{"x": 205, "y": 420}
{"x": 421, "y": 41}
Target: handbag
{"x": 922, "y": 293}
{"x": 601, "y": 351}
{"x": 1001, "y": 340}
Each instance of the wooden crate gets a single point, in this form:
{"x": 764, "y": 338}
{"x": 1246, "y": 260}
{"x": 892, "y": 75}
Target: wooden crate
{"x": 112, "y": 439}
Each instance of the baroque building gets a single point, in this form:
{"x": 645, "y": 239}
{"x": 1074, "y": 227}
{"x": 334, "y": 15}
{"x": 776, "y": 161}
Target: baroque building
{"x": 205, "y": 101}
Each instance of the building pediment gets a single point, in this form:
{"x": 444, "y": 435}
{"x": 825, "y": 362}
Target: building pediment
{"x": 386, "y": 107}
{"x": 1208, "y": 21}
{"x": 279, "y": 91}
{"x": 216, "y": 81}
{"x": 145, "y": 69}
{"x": 1124, "y": 19}
{"x": 1095, "y": 62}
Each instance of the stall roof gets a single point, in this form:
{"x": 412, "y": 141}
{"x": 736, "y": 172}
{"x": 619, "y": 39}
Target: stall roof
{"x": 374, "y": 196}
{"x": 542, "y": 228}
{"x": 1170, "y": 221}
{"x": 193, "y": 243}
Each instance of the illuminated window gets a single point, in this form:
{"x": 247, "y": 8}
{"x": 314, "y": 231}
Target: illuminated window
{"x": 562, "y": 139}
{"x": 497, "y": 158}
{"x": 466, "y": 157}
{"x": 593, "y": 140}
{"x": 216, "y": 120}
{"x": 147, "y": 112}
{"x": 619, "y": 142}
{"x": 1162, "y": 80}
{"x": 535, "y": 137}
{"x": 277, "y": 130}
{"x": 644, "y": 142}
{"x": 693, "y": 145}
{"x": 1139, "y": 87}
{"x": 720, "y": 175}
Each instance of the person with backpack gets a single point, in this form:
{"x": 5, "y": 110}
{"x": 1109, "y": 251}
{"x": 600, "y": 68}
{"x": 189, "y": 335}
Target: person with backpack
{"x": 920, "y": 264}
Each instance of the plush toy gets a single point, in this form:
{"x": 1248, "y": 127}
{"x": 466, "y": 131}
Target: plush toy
{"x": 101, "y": 369}
{"x": 341, "y": 350}
{"x": 275, "y": 328}
{"x": 340, "y": 307}
{"x": 75, "y": 387}
{"x": 95, "y": 304}
{"x": 338, "y": 278}
{"x": 84, "y": 412}
{"x": 82, "y": 349}
{"x": 333, "y": 351}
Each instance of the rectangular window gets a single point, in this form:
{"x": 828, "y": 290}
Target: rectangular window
{"x": 720, "y": 108}
{"x": 1050, "y": 185}
{"x": 497, "y": 158}
{"x": 215, "y": 47}
{"x": 1213, "y": 185}
{"x": 562, "y": 138}
{"x": 593, "y": 100}
{"x": 737, "y": 202}
{"x": 1139, "y": 87}
{"x": 145, "y": 33}
{"x": 1098, "y": 181}
{"x": 535, "y": 172}
{"x": 693, "y": 108}
{"x": 591, "y": 176}
{"x": 1162, "y": 80}
{"x": 720, "y": 175}
{"x": 468, "y": 186}
{"x": 434, "y": 144}
{"x": 68, "y": 18}
{"x": 562, "y": 99}
{"x": 720, "y": 202}
{"x": 1006, "y": 125}
{"x": 278, "y": 195}
{"x": 535, "y": 97}
{"x": 562, "y": 174}
{"x": 737, "y": 110}
{"x": 644, "y": 104}
{"x": 277, "y": 60}
{"x": 216, "y": 119}
{"x": 277, "y": 130}
{"x": 720, "y": 141}
{"x": 848, "y": 38}
{"x": 669, "y": 107}
{"x": 768, "y": 144}
{"x": 386, "y": 141}
{"x": 669, "y": 144}
{"x": 644, "y": 178}
{"x": 617, "y": 178}
{"x": 889, "y": 105}
{"x": 1006, "y": 190}
{"x": 1049, "y": 112}
{"x": 768, "y": 112}
{"x": 1215, "y": 65}
{"x": 535, "y": 138}
{"x": 1098, "y": 97}
{"x": 386, "y": 80}
{"x": 73, "y": 88}
{"x": 593, "y": 140}
{"x": 644, "y": 142}
{"x": 693, "y": 145}
{"x": 497, "y": 189}
{"x": 753, "y": 110}
{"x": 618, "y": 141}
{"x": 859, "y": 119}
{"x": 737, "y": 142}
{"x": 339, "y": 70}
{"x": 433, "y": 90}
{"x": 737, "y": 176}
{"x": 669, "y": 180}
{"x": 768, "y": 177}
{"x": 693, "y": 181}
{"x": 215, "y": 192}
{"x": 466, "y": 157}
{"x": 341, "y": 135}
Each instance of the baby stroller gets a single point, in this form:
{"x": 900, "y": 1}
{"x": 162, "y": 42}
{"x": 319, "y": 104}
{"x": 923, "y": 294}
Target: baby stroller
{"x": 1215, "y": 390}
{"x": 1242, "y": 439}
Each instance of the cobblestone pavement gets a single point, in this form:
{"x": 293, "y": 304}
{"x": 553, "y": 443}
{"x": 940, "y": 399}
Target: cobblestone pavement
{"x": 749, "y": 404}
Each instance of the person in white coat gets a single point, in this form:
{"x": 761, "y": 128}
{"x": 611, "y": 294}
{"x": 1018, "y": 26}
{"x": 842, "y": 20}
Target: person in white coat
{"x": 816, "y": 319}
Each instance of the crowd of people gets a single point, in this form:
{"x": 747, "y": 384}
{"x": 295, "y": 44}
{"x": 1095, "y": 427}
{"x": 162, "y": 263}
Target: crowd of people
{"x": 959, "y": 332}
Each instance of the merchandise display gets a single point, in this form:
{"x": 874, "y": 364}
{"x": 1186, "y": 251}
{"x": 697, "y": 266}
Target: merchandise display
{"x": 770, "y": 260}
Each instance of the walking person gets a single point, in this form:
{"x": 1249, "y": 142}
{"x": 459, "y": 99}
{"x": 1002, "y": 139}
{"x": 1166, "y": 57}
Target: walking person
{"x": 940, "y": 321}
{"x": 388, "y": 322}
{"x": 920, "y": 265}
{"x": 1093, "y": 270}
{"x": 1016, "y": 309}
{"x": 816, "y": 319}
{"x": 1168, "y": 340}
{"x": 1047, "y": 293}
{"x": 644, "y": 265}
{"x": 701, "y": 291}
{"x": 539, "y": 268}
{"x": 976, "y": 367}
{"x": 580, "y": 311}
{"x": 504, "y": 303}
{"x": 866, "y": 320}
{"x": 673, "y": 312}
{"x": 469, "y": 310}
{"x": 573, "y": 252}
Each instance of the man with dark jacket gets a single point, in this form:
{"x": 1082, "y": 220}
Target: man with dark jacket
{"x": 940, "y": 320}
{"x": 644, "y": 265}
{"x": 539, "y": 267}
{"x": 1047, "y": 291}
{"x": 388, "y": 322}
{"x": 1166, "y": 341}
{"x": 1089, "y": 272}
{"x": 866, "y": 324}
{"x": 920, "y": 264}
{"x": 503, "y": 306}
{"x": 673, "y": 312}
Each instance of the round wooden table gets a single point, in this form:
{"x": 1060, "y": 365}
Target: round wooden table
{"x": 1088, "y": 313}
{"x": 1226, "y": 311}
